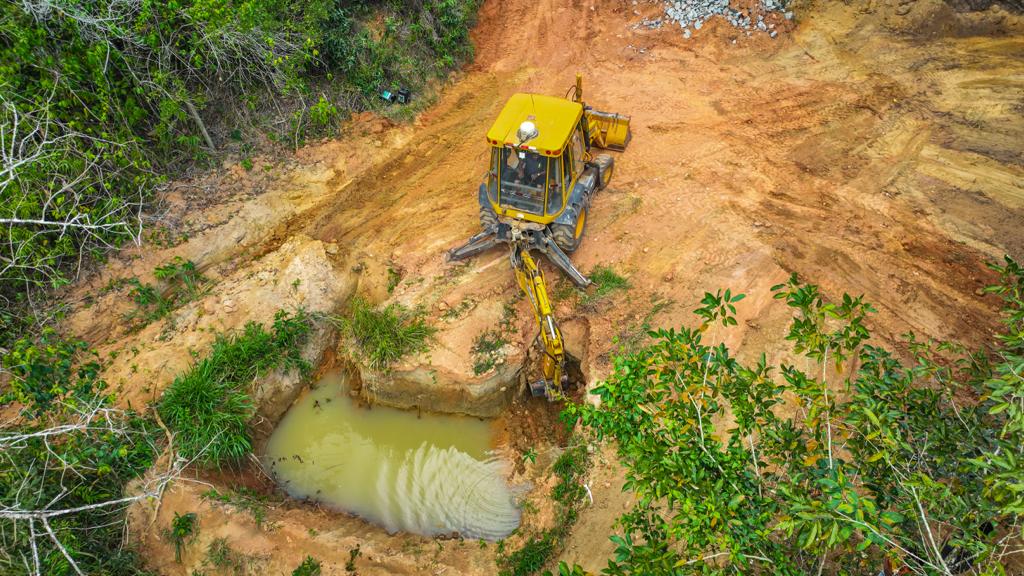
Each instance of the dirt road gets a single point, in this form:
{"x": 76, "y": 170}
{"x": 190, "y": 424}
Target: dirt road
{"x": 876, "y": 148}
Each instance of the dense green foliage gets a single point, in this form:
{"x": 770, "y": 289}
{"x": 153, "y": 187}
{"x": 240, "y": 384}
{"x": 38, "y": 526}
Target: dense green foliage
{"x": 99, "y": 98}
{"x": 47, "y": 473}
{"x": 48, "y": 370}
{"x": 387, "y": 334}
{"x": 830, "y": 464}
{"x": 209, "y": 406}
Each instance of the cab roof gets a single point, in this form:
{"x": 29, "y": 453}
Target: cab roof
{"x": 555, "y": 119}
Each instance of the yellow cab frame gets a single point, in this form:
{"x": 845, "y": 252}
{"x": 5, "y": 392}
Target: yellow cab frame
{"x": 560, "y": 139}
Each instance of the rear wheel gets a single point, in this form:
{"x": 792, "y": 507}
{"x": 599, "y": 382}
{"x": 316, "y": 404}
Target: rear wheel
{"x": 569, "y": 236}
{"x": 488, "y": 219}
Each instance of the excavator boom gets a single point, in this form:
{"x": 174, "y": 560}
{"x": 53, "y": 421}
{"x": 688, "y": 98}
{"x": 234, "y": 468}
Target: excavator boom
{"x": 531, "y": 281}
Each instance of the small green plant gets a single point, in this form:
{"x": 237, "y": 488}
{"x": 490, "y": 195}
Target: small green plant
{"x": 508, "y": 315}
{"x": 220, "y": 555}
{"x": 350, "y": 565}
{"x": 183, "y": 529}
{"x": 247, "y": 164}
{"x": 488, "y": 351}
{"x": 209, "y": 406}
{"x": 309, "y": 567}
{"x": 184, "y": 273}
{"x": 323, "y": 115}
{"x": 394, "y": 277}
{"x": 606, "y": 282}
{"x": 719, "y": 306}
{"x": 459, "y": 310}
{"x": 530, "y": 456}
{"x": 532, "y": 556}
{"x": 385, "y": 335}
{"x": 181, "y": 283}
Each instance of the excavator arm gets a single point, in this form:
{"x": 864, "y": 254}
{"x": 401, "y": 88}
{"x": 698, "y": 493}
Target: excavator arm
{"x": 531, "y": 282}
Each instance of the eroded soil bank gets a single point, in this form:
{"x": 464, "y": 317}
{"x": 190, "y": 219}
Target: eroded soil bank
{"x": 875, "y": 148}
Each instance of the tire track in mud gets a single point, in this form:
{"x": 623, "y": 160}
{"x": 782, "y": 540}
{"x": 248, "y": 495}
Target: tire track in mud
{"x": 828, "y": 159}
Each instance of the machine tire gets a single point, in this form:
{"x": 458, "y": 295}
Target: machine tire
{"x": 605, "y": 169}
{"x": 488, "y": 219}
{"x": 568, "y": 237}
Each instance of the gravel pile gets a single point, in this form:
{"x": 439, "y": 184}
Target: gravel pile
{"x": 691, "y": 15}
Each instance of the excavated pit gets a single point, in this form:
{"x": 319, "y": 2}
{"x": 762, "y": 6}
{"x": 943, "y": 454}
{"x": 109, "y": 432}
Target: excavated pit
{"x": 426, "y": 456}
{"x": 424, "y": 473}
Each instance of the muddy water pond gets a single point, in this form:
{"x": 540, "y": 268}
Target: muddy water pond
{"x": 427, "y": 474}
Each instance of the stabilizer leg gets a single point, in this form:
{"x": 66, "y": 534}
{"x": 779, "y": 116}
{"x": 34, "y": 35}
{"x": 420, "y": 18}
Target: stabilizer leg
{"x": 546, "y": 244}
{"x": 480, "y": 243}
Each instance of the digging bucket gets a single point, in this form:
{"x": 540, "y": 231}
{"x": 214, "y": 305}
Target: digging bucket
{"x": 609, "y": 130}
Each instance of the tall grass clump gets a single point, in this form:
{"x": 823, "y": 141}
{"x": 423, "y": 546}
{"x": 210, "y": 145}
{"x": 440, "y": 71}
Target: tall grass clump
{"x": 606, "y": 282}
{"x": 209, "y": 406}
{"x": 387, "y": 334}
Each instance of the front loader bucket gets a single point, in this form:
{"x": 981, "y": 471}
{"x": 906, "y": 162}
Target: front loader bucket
{"x": 612, "y": 130}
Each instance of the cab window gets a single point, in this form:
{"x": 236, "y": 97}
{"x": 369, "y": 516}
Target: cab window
{"x": 555, "y": 186}
{"x": 523, "y": 175}
{"x": 577, "y": 152}
{"x": 567, "y": 169}
{"x": 492, "y": 175}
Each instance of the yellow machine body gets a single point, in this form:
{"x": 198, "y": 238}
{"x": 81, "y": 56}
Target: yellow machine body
{"x": 531, "y": 282}
{"x": 532, "y": 179}
{"x": 536, "y": 196}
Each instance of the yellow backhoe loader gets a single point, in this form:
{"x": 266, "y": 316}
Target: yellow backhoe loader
{"x": 536, "y": 196}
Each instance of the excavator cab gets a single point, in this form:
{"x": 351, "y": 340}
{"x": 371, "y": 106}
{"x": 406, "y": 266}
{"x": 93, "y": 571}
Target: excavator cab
{"x": 536, "y": 195}
{"x": 542, "y": 173}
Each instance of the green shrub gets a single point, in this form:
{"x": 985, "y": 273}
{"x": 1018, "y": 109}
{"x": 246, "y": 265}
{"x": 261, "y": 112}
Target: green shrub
{"x": 115, "y": 94}
{"x": 323, "y": 114}
{"x": 388, "y": 334}
{"x": 49, "y": 369}
{"x": 870, "y": 457}
{"x": 183, "y": 529}
{"x": 75, "y": 450}
{"x": 209, "y": 406}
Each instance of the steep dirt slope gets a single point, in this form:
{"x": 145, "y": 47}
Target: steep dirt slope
{"x": 869, "y": 149}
